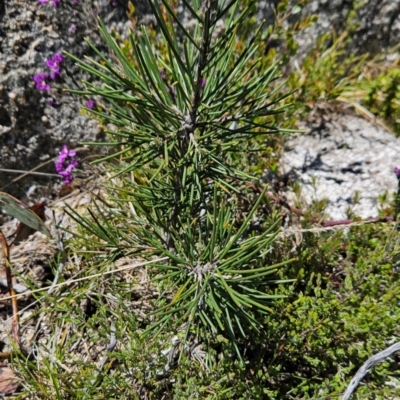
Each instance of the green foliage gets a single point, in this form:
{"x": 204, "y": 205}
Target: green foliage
{"x": 326, "y": 71}
{"x": 331, "y": 70}
{"x": 382, "y": 94}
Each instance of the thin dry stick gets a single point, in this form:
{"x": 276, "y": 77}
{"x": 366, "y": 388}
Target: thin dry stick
{"x": 371, "y": 362}
{"x": 110, "y": 347}
{"x": 7, "y": 264}
{"x": 85, "y": 278}
{"x": 323, "y": 223}
{"x": 20, "y": 171}
{"x": 25, "y": 173}
{"x": 292, "y": 231}
{"x": 62, "y": 251}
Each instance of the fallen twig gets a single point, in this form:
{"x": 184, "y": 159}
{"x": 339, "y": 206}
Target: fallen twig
{"x": 63, "y": 253}
{"x": 371, "y": 362}
{"x": 110, "y": 347}
{"x": 85, "y": 278}
{"x": 19, "y": 171}
{"x": 318, "y": 221}
{"x": 7, "y": 265}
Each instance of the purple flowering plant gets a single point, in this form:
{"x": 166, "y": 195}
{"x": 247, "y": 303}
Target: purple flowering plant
{"x": 91, "y": 104}
{"x": 41, "y": 81}
{"x": 66, "y": 162}
{"x": 54, "y": 63}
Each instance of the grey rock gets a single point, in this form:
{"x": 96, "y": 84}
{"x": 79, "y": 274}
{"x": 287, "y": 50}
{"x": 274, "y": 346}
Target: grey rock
{"x": 31, "y": 130}
{"x": 344, "y": 155}
{"x": 377, "y": 24}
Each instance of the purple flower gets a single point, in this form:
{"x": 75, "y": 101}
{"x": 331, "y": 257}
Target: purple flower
{"x": 72, "y": 29}
{"x": 43, "y": 1}
{"x": 63, "y": 168}
{"x": 40, "y": 80}
{"x": 74, "y": 2}
{"x": 203, "y": 82}
{"x": 397, "y": 171}
{"x": 91, "y": 104}
{"x": 54, "y": 63}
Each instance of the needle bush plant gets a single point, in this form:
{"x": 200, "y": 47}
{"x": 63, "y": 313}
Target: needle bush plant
{"x": 185, "y": 106}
